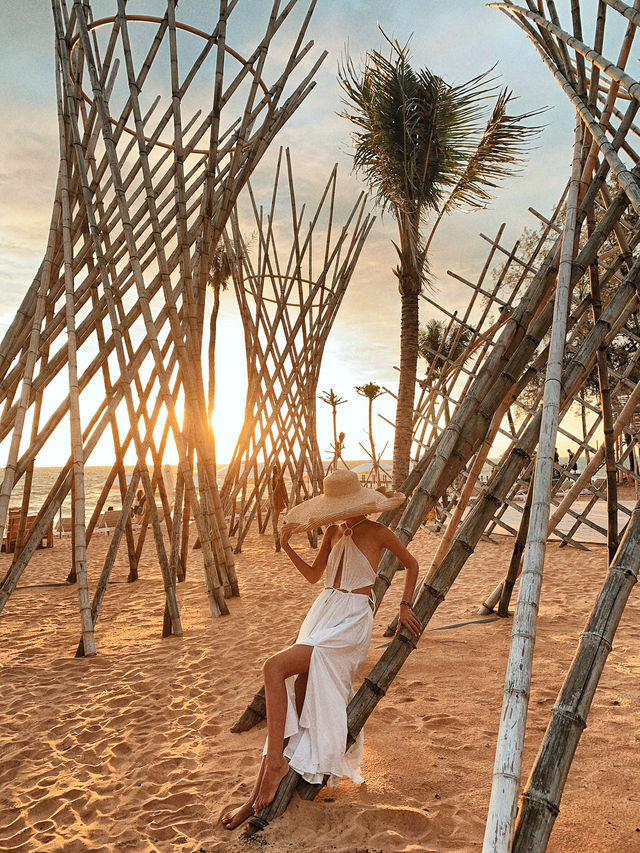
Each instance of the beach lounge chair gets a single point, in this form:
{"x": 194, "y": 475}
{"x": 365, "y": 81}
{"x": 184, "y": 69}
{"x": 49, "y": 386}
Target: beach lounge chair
{"x": 11, "y": 531}
{"x": 63, "y": 527}
{"x": 111, "y": 518}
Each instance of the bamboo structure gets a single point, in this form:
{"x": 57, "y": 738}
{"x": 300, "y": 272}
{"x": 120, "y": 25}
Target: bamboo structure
{"x": 147, "y": 181}
{"x": 582, "y": 287}
{"x": 508, "y": 761}
{"x": 288, "y": 305}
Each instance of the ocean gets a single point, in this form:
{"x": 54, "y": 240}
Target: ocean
{"x": 44, "y": 478}
{"x": 95, "y": 476}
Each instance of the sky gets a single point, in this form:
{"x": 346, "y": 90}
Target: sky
{"x": 454, "y": 40}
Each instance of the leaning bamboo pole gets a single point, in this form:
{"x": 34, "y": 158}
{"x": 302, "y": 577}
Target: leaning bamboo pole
{"x": 516, "y": 557}
{"x": 540, "y": 801}
{"x": 607, "y": 414}
{"x": 469, "y": 486}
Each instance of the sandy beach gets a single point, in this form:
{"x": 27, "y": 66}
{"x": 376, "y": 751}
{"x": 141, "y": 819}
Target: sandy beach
{"x": 131, "y": 750}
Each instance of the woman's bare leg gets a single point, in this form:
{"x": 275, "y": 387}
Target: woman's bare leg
{"x": 301, "y": 690}
{"x": 292, "y": 661}
{"x": 234, "y": 818}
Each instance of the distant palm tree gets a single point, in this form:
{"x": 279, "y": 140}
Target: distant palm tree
{"x": 371, "y": 390}
{"x": 437, "y": 352}
{"x": 422, "y": 148}
{"x": 334, "y": 400}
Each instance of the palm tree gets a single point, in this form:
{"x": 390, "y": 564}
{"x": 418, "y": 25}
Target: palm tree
{"x": 439, "y": 353}
{"x": 334, "y": 400}
{"x": 421, "y": 146}
{"x": 371, "y": 390}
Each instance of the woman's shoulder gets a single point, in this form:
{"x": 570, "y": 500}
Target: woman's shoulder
{"x": 380, "y": 531}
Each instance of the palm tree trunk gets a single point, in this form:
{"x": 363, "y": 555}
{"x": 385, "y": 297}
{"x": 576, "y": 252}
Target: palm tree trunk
{"x": 374, "y": 458}
{"x": 406, "y": 387}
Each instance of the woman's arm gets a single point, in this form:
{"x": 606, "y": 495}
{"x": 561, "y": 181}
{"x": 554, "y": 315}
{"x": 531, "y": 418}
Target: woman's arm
{"x": 408, "y": 618}
{"x": 312, "y": 572}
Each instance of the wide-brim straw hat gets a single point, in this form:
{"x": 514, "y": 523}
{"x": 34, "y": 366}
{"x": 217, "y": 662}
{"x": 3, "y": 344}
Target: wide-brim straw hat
{"x": 343, "y": 497}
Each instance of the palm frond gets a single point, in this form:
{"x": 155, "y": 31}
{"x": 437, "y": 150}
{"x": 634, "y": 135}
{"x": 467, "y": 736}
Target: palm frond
{"x": 503, "y": 146}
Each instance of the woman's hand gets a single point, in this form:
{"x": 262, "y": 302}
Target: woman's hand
{"x": 286, "y": 532}
{"x": 409, "y": 620}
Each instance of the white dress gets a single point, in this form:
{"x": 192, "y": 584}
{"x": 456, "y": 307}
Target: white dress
{"x": 338, "y": 626}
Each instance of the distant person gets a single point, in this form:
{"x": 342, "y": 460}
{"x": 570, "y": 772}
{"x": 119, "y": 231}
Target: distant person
{"x": 574, "y": 466}
{"x": 138, "y": 508}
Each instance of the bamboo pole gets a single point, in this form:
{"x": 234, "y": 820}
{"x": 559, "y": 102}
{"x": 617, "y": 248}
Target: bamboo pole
{"x": 508, "y": 759}
{"x": 79, "y": 538}
{"x": 540, "y": 801}
{"x": 607, "y": 415}
{"x": 516, "y": 557}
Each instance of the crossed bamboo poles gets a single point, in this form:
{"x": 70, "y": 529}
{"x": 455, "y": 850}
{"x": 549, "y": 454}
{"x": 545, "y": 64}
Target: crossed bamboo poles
{"x": 133, "y": 229}
{"x": 287, "y": 307}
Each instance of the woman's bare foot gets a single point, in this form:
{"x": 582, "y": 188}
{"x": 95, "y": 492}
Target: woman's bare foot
{"x": 237, "y": 816}
{"x": 275, "y": 769}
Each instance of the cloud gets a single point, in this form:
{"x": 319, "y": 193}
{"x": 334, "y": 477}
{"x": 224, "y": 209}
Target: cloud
{"x": 364, "y": 343}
